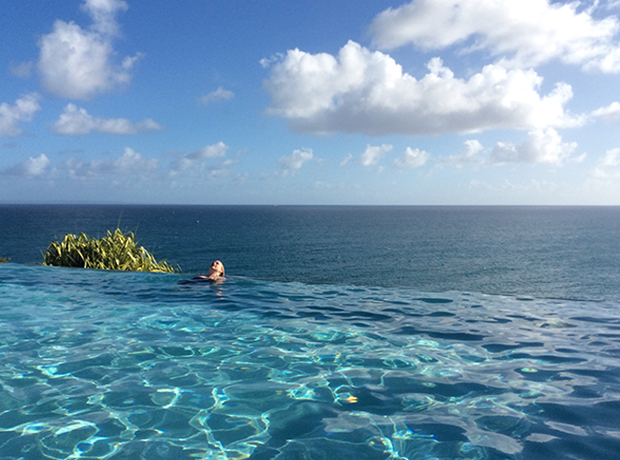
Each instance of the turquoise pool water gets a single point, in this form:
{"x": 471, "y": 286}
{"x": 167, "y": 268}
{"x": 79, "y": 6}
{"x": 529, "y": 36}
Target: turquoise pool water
{"x": 107, "y": 365}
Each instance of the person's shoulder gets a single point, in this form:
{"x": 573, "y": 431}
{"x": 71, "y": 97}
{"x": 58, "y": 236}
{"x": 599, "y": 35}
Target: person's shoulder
{"x": 196, "y": 279}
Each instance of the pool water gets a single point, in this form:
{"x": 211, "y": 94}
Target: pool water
{"x": 108, "y": 365}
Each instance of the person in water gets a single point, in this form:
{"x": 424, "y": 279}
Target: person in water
{"x": 215, "y": 275}
{"x": 216, "y": 272}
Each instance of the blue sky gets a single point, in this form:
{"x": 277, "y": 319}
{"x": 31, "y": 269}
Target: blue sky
{"x": 323, "y": 102}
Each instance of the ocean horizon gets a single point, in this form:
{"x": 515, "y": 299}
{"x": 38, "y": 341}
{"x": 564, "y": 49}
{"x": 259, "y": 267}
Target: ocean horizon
{"x": 549, "y": 251}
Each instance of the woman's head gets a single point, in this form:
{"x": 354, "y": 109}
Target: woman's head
{"x": 216, "y": 269}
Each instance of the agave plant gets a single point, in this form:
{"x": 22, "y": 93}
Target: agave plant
{"x": 117, "y": 251}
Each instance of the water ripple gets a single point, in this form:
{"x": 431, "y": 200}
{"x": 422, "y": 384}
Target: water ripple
{"x": 108, "y": 365}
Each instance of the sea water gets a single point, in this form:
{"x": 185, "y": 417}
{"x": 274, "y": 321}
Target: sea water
{"x": 551, "y": 252}
{"x": 97, "y": 365}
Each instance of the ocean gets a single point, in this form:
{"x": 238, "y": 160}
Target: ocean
{"x": 340, "y": 332}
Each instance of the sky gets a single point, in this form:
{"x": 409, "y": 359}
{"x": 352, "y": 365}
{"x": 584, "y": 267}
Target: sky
{"x": 327, "y": 102}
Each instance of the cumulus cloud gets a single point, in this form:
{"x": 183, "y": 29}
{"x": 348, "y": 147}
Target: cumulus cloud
{"x": 76, "y": 121}
{"x": 470, "y": 155}
{"x": 360, "y": 91}
{"x": 373, "y": 154}
{"x": 196, "y": 160}
{"x": 217, "y": 95}
{"x": 12, "y": 115}
{"x": 609, "y": 113}
{"x": 521, "y": 32}
{"x": 608, "y": 166}
{"x": 103, "y": 14}
{"x": 541, "y": 146}
{"x": 412, "y": 158}
{"x": 611, "y": 159}
{"x": 77, "y": 63}
{"x": 132, "y": 162}
{"x": 31, "y": 167}
{"x": 296, "y": 160}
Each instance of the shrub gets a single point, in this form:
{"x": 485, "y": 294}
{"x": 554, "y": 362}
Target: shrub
{"x": 117, "y": 251}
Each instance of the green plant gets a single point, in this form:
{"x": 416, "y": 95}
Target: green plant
{"x": 117, "y": 251}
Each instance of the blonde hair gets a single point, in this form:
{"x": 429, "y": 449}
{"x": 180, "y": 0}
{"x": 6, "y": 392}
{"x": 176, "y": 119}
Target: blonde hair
{"x": 223, "y": 270}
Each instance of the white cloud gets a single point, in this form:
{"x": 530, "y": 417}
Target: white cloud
{"x": 412, "y": 158}
{"x": 608, "y": 166}
{"x": 268, "y": 62}
{"x": 217, "y": 95}
{"x": 129, "y": 166}
{"x": 31, "y": 167}
{"x": 129, "y": 163}
{"x": 373, "y": 154}
{"x": 132, "y": 162}
{"x": 76, "y": 63}
{"x": 609, "y": 113}
{"x": 611, "y": 159}
{"x": 522, "y": 32}
{"x": 367, "y": 92}
{"x": 348, "y": 157}
{"x": 12, "y": 115}
{"x": 103, "y": 13}
{"x": 296, "y": 160}
{"x": 76, "y": 121}
{"x": 210, "y": 151}
{"x": 468, "y": 156}
{"x": 541, "y": 146}
{"x": 195, "y": 160}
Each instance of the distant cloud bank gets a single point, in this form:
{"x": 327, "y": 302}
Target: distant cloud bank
{"x": 129, "y": 164}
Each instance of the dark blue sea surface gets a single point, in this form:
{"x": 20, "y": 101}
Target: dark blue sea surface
{"x": 553, "y": 252}
{"x": 351, "y": 333}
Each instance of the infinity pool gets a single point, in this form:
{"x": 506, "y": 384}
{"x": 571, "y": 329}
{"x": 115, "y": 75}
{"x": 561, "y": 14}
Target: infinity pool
{"x": 107, "y": 365}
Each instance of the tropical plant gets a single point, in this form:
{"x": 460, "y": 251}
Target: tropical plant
{"x": 117, "y": 251}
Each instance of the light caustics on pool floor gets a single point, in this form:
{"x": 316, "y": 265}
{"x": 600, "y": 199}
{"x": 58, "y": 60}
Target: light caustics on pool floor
{"x": 97, "y": 365}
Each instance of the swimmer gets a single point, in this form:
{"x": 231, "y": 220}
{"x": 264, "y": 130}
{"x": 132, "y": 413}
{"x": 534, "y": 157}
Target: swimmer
{"x": 216, "y": 272}
{"x": 215, "y": 275}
